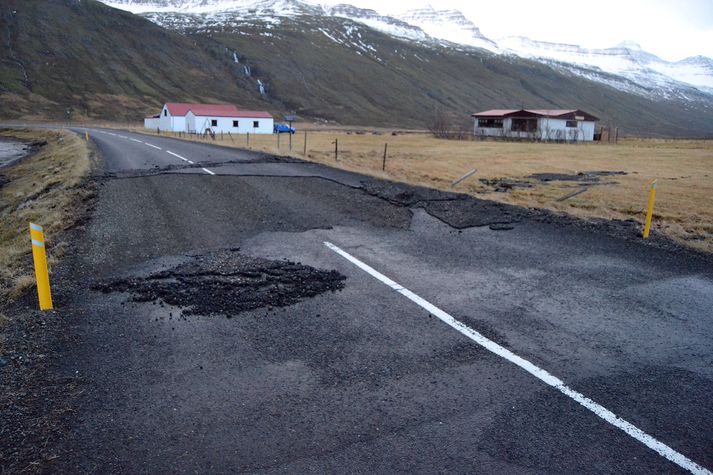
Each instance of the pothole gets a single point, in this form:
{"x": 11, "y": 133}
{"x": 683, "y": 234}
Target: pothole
{"x": 227, "y": 282}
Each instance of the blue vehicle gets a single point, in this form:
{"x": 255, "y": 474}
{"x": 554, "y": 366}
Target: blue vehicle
{"x": 282, "y": 129}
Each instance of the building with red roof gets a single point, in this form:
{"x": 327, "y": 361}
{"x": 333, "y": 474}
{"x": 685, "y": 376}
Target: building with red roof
{"x": 210, "y": 118}
{"x": 572, "y": 125}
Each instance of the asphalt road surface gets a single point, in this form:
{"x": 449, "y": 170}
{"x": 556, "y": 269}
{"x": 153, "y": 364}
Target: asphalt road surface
{"x": 382, "y": 328}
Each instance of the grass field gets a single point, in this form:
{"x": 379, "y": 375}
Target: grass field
{"x": 45, "y": 188}
{"x": 683, "y": 168}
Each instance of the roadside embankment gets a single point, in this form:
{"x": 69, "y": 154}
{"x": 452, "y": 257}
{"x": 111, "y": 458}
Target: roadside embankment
{"x": 46, "y": 186}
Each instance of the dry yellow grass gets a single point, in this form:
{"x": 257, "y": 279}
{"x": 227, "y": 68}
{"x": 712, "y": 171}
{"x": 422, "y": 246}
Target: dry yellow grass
{"x": 46, "y": 189}
{"x": 683, "y": 168}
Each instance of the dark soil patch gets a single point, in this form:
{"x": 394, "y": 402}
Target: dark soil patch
{"x": 592, "y": 176}
{"x": 505, "y": 184}
{"x": 227, "y": 282}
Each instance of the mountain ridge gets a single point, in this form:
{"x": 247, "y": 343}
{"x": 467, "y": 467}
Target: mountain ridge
{"x": 452, "y": 26}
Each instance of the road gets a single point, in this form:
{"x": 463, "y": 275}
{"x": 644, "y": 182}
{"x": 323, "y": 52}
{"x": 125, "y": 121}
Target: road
{"x": 468, "y": 337}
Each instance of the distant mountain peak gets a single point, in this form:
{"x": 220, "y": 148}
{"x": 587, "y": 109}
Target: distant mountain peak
{"x": 632, "y": 45}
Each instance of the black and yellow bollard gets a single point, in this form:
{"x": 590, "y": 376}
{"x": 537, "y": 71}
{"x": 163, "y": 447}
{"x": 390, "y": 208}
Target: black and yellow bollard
{"x": 41, "y": 272}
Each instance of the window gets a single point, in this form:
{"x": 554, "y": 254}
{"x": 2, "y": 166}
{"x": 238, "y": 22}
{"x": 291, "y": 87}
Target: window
{"x": 524, "y": 125}
{"x": 256, "y": 124}
{"x": 235, "y": 123}
{"x": 490, "y": 123}
{"x": 214, "y": 122}
{"x": 571, "y": 123}
{"x": 165, "y": 112}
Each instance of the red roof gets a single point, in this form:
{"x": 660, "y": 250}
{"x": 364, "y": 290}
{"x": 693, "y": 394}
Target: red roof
{"x": 496, "y": 112}
{"x": 216, "y": 110}
{"x": 213, "y": 110}
{"x": 178, "y": 108}
{"x": 559, "y": 113}
{"x": 254, "y": 114}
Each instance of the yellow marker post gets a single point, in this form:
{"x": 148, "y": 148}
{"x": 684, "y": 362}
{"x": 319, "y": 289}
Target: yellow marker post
{"x": 41, "y": 273}
{"x": 86, "y": 135}
{"x": 650, "y": 210}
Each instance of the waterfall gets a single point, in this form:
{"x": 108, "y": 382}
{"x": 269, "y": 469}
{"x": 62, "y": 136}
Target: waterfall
{"x": 261, "y": 87}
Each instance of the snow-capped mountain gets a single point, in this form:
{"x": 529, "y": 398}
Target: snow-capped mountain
{"x": 627, "y": 59}
{"x": 626, "y": 67}
{"x": 449, "y": 25}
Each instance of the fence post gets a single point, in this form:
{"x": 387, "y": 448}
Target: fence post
{"x": 304, "y": 151}
{"x": 336, "y": 150}
{"x": 247, "y": 135}
{"x": 383, "y": 164}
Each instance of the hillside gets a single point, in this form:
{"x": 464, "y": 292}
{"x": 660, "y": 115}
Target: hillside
{"x": 110, "y": 64}
{"x": 344, "y": 71}
{"x": 103, "y": 63}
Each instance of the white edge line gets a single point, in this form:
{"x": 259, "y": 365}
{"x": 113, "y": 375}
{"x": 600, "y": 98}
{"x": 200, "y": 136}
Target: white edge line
{"x": 176, "y": 155}
{"x": 135, "y": 140}
{"x": 191, "y": 162}
{"x": 208, "y": 171}
{"x": 151, "y": 145}
{"x": 541, "y": 374}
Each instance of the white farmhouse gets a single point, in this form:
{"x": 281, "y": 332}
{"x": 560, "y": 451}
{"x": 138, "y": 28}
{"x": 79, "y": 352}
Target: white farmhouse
{"x": 211, "y": 118}
{"x": 572, "y": 125}
{"x": 227, "y": 118}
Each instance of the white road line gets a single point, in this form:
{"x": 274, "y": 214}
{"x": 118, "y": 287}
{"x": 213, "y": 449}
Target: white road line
{"x": 111, "y": 134}
{"x": 191, "y": 162}
{"x": 135, "y": 140}
{"x": 123, "y": 137}
{"x": 207, "y": 171}
{"x": 176, "y": 155}
{"x": 150, "y": 145}
{"x": 655, "y": 445}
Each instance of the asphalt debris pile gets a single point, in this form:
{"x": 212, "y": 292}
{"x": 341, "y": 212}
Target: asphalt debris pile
{"x": 227, "y": 282}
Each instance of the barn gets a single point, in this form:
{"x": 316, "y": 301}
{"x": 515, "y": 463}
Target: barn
{"x": 215, "y": 118}
{"x": 153, "y": 122}
{"x": 572, "y": 125}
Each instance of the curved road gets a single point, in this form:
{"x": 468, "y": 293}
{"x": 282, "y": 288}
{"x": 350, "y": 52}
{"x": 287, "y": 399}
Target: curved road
{"x": 452, "y": 348}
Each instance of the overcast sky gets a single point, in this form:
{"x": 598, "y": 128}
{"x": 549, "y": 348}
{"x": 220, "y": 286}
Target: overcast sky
{"x": 671, "y": 29}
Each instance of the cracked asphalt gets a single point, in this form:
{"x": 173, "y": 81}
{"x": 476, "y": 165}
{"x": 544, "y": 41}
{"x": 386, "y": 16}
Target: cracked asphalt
{"x": 356, "y": 378}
